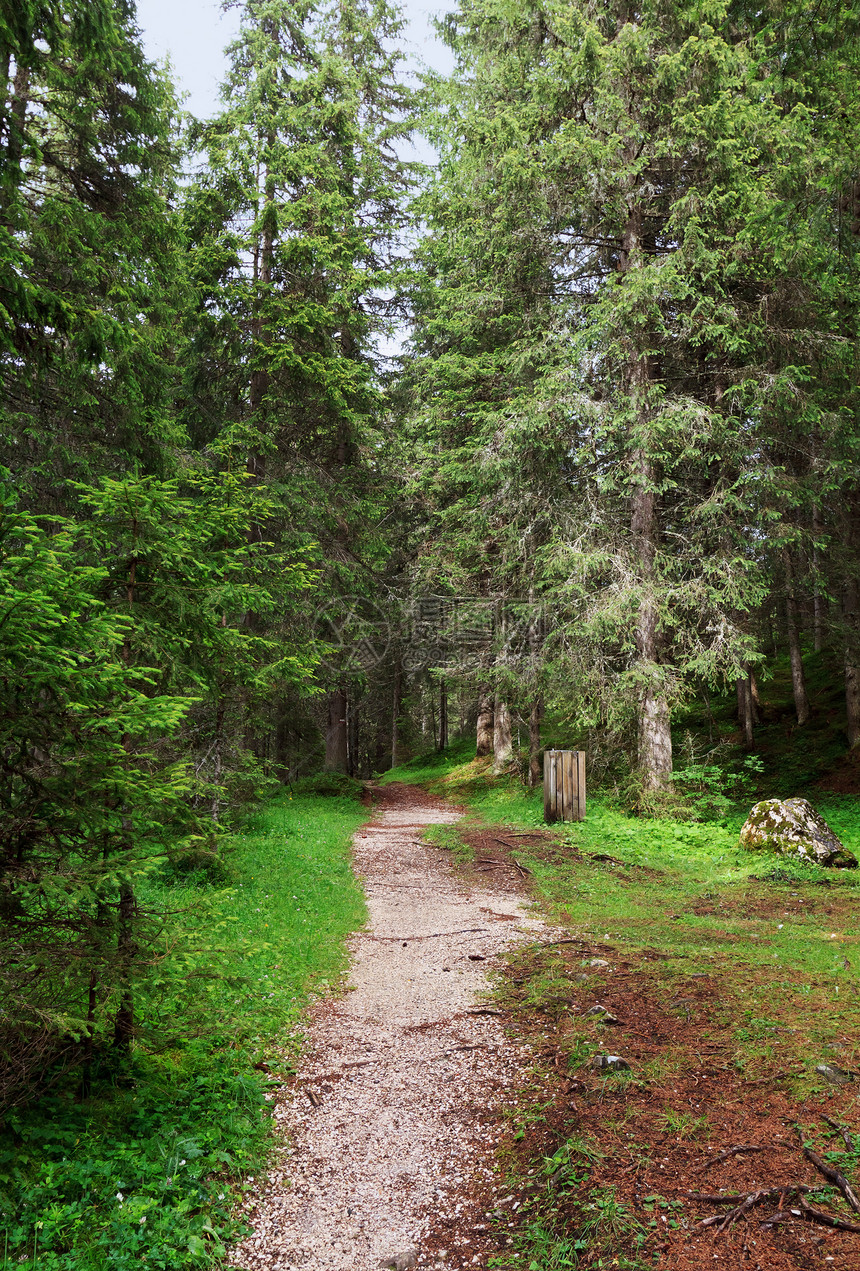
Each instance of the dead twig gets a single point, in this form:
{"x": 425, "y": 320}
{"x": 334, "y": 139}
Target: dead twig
{"x": 435, "y": 935}
{"x": 781, "y": 1215}
{"x": 459, "y": 1049}
{"x": 740, "y": 1150}
{"x": 833, "y": 1176}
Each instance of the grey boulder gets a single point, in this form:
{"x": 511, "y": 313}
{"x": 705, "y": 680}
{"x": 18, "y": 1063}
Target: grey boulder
{"x": 792, "y": 827}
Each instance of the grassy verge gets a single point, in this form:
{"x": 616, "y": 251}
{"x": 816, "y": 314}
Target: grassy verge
{"x": 150, "y": 1169}
{"x": 733, "y": 979}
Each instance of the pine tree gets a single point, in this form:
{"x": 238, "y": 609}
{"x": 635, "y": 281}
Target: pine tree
{"x": 294, "y": 230}
{"x": 88, "y": 247}
{"x": 645, "y": 167}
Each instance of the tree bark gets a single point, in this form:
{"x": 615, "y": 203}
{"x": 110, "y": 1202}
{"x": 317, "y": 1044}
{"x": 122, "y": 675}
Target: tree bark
{"x": 396, "y": 706}
{"x": 485, "y": 723}
{"x": 756, "y": 700}
{"x": 443, "y": 715}
{"x": 819, "y": 601}
{"x": 535, "y": 764}
{"x": 654, "y": 758}
{"x": 745, "y": 710}
{"x": 264, "y": 255}
{"x": 353, "y": 739}
{"x": 503, "y": 747}
{"x": 851, "y": 619}
{"x": 336, "y": 746}
{"x": 798, "y": 680}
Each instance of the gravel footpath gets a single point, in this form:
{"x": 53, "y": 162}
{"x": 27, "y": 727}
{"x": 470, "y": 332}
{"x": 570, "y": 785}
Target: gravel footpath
{"x": 394, "y": 1114}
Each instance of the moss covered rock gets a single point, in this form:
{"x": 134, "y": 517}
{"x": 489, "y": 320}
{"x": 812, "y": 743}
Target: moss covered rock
{"x": 792, "y": 827}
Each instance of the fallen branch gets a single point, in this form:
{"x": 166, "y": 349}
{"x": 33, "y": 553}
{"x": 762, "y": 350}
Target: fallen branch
{"x": 818, "y": 1215}
{"x": 740, "y": 1150}
{"x": 749, "y": 1202}
{"x": 521, "y": 868}
{"x": 781, "y": 1215}
{"x": 833, "y": 1176}
{"x": 841, "y": 1131}
{"x": 435, "y": 935}
{"x": 727, "y": 1198}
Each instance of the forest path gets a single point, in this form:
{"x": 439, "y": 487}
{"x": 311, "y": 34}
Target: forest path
{"x": 396, "y": 1108}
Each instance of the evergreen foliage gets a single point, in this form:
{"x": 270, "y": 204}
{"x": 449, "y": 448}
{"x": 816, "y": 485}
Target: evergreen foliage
{"x": 624, "y": 346}
{"x": 615, "y": 468}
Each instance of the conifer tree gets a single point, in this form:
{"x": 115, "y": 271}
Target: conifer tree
{"x": 295, "y": 229}
{"x": 644, "y": 165}
{"x": 88, "y": 247}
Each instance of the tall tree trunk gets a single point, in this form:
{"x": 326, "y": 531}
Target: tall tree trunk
{"x": 745, "y": 710}
{"x": 396, "y": 706}
{"x": 443, "y": 715}
{"x": 485, "y": 723}
{"x": 535, "y": 765}
{"x": 336, "y": 744}
{"x": 503, "y": 746}
{"x": 264, "y": 256}
{"x": 432, "y": 703}
{"x": 756, "y": 700}
{"x": 851, "y": 621}
{"x": 819, "y": 601}
{"x": 654, "y": 758}
{"x": 798, "y": 680}
{"x": 353, "y": 737}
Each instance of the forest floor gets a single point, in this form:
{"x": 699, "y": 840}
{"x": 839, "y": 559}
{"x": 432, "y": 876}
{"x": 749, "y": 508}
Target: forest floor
{"x": 424, "y": 1133}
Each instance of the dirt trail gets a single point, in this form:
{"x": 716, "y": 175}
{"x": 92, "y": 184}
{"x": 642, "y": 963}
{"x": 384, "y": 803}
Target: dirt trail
{"x": 395, "y": 1111}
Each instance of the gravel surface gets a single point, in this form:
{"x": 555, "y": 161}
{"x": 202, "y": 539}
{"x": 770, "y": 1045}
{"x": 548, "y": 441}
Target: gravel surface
{"x": 395, "y": 1111}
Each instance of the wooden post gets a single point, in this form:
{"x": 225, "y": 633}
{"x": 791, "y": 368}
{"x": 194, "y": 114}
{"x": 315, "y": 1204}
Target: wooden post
{"x": 564, "y": 785}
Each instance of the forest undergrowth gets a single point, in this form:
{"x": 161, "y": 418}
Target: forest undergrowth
{"x": 150, "y": 1168}
{"x": 727, "y": 983}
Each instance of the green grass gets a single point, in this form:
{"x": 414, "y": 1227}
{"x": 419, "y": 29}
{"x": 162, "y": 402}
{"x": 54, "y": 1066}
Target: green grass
{"x": 150, "y": 1169}
{"x": 664, "y": 869}
{"x": 674, "y": 898}
{"x": 449, "y": 839}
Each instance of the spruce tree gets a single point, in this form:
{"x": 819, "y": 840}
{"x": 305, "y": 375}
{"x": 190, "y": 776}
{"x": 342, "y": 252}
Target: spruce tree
{"x": 644, "y": 167}
{"x": 88, "y": 247}
{"x": 294, "y": 230}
